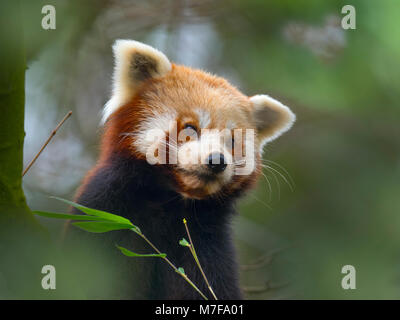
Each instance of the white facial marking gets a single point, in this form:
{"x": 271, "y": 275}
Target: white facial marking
{"x": 204, "y": 118}
{"x": 159, "y": 122}
{"x": 230, "y": 124}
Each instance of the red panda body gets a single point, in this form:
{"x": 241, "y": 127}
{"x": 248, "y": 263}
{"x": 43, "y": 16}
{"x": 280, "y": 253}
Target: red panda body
{"x": 201, "y": 183}
{"x": 137, "y": 191}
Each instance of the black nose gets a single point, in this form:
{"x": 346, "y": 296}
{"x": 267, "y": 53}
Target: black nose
{"x": 216, "y": 162}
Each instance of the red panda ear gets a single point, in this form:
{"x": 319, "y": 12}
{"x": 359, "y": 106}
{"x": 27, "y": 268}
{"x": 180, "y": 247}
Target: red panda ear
{"x": 135, "y": 62}
{"x": 271, "y": 118}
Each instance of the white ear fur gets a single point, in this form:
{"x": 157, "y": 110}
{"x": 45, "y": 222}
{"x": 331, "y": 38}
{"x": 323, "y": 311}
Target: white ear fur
{"x": 271, "y": 117}
{"x": 134, "y": 63}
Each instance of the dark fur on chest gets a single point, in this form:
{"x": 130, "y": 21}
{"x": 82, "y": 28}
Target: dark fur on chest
{"x": 141, "y": 193}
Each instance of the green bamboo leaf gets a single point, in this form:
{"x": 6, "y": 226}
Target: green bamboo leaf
{"x": 67, "y": 216}
{"x": 101, "y": 226}
{"x": 136, "y": 229}
{"x": 97, "y": 213}
{"x": 129, "y": 253}
{"x": 183, "y": 242}
{"x": 181, "y": 270}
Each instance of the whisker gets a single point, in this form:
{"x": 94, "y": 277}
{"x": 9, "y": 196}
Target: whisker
{"x": 282, "y": 176}
{"x": 262, "y": 202}
{"x": 171, "y": 199}
{"x": 124, "y": 135}
{"x": 269, "y": 186}
{"x": 172, "y": 140}
{"x": 283, "y": 168}
{"x": 170, "y": 146}
{"x": 276, "y": 181}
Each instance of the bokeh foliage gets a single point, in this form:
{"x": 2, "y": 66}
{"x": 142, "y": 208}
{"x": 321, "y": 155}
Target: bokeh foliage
{"x": 342, "y": 154}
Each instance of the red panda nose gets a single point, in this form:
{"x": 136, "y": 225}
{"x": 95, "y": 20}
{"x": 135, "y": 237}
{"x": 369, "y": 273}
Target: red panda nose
{"x": 216, "y": 162}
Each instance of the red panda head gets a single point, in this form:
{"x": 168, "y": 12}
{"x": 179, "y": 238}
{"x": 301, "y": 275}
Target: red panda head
{"x": 195, "y": 127}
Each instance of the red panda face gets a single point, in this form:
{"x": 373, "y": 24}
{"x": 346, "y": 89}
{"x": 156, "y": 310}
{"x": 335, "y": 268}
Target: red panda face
{"x": 203, "y": 133}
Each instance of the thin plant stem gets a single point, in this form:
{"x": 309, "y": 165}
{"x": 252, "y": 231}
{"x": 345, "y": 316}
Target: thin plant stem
{"x": 184, "y": 276}
{"x": 193, "y": 251}
{"x": 53, "y": 133}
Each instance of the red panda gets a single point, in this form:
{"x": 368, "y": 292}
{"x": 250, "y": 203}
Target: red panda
{"x": 169, "y": 151}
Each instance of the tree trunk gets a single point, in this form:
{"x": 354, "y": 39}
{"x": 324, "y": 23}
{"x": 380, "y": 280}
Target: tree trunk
{"x": 13, "y": 206}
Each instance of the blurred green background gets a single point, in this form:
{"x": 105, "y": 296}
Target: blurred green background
{"x": 331, "y": 196}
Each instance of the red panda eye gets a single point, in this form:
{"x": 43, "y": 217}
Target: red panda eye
{"x": 190, "y": 126}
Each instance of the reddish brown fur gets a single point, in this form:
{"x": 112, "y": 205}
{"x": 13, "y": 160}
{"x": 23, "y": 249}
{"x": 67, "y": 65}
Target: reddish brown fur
{"x": 157, "y": 197}
{"x": 180, "y": 89}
